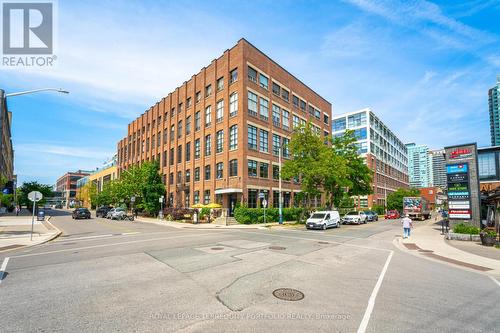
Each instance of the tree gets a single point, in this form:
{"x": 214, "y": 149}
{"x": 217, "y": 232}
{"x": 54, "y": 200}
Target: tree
{"x": 27, "y": 187}
{"x": 358, "y": 176}
{"x": 395, "y": 199}
{"x": 336, "y": 170}
{"x": 311, "y": 162}
{"x": 151, "y": 187}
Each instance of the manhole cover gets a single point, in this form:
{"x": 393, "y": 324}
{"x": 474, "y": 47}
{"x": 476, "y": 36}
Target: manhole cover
{"x": 217, "y": 248}
{"x": 277, "y": 248}
{"x": 323, "y": 243}
{"x": 288, "y": 294}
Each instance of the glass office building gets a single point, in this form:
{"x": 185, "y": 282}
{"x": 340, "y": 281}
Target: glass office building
{"x": 418, "y": 165}
{"x": 384, "y": 152}
{"x": 494, "y": 109}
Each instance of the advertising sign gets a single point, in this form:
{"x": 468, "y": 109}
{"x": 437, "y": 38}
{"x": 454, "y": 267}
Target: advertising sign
{"x": 461, "y": 153}
{"x": 457, "y": 168}
{"x": 460, "y": 213}
{"x": 458, "y": 190}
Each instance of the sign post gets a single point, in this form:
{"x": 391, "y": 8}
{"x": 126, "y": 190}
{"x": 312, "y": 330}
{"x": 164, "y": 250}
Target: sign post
{"x": 34, "y": 196}
{"x": 161, "y": 210}
{"x": 463, "y": 184}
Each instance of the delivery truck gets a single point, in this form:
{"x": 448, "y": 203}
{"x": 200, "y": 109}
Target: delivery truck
{"x": 417, "y": 208}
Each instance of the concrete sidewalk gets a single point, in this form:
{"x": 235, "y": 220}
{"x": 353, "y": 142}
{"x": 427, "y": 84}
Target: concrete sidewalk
{"x": 182, "y": 225}
{"x": 426, "y": 241}
{"x": 15, "y": 232}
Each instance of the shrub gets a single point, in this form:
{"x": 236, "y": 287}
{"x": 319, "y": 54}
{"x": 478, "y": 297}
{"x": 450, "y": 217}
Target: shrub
{"x": 379, "y": 209}
{"x": 247, "y": 215}
{"x": 173, "y": 213}
{"x": 464, "y": 228}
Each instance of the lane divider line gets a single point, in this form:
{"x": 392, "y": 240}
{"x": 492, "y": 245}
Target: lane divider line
{"x": 3, "y": 268}
{"x": 371, "y": 302}
{"x": 107, "y": 245}
{"x": 495, "y": 280}
{"x": 86, "y": 237}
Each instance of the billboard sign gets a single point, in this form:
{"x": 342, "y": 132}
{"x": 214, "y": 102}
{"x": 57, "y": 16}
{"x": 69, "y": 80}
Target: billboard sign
{"x": 458, "y": 191}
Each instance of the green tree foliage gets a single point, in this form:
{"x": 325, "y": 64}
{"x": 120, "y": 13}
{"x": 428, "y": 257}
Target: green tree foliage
{"x": 358, "y": 176}
{"x": 27, "y": 187}
{"x": 395, "y": 199}
{"x": 143, "y": 182}
{"x": 152, "y": 187}
{"x": 335, "y": 170}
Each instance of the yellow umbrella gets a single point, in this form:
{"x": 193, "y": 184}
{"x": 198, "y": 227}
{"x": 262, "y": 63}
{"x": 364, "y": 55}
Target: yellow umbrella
{"x": 198, "y": 205}
{"x": 213, "y": 205}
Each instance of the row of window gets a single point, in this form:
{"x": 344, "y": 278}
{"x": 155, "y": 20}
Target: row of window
{"x": 207, "y": 173}
{"x": 219, "y": 146}
{"x": 263, "y": 141}
{"x": 233, "y": 77}
{"x": 263, "y": 81}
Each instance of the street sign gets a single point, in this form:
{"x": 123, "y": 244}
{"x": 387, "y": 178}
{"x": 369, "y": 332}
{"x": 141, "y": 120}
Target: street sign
{"x": 160, "y": 199}
{"x": 264, "y": 203}
{"x": 261, "y": 195}
{"x": 132, "y": 199}
{"x": 35, "y": 196}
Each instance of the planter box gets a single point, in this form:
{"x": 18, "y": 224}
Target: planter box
{"x": 488, "y": 240}
{"x": 463, "y": 237}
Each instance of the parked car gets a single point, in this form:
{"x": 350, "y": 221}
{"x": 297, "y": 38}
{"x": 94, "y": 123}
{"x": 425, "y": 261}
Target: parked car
{"x": 41, "y": 215}
{"x": 371, "y": 216}
{"x": 81, "y": 213}
{"x": 354, "y": 218}
{"x": 102, "y": 211}
{"x": 109, "y": 213}
{"x": 323, "y": 220}
{"x": 392, "y": 214}
{"x": 118, "y": 214}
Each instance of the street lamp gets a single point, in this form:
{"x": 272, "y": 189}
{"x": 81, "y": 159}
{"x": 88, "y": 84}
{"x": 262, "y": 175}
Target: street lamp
{"x": 59, "y": 90}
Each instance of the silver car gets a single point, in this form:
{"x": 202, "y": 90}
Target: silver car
{"x": 118, "y": 214}
{"x": 354, "y": 218}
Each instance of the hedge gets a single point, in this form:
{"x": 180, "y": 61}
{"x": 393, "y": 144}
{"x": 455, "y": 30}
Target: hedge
{"x": 464, "y": 228}
{"x": 246, "y": 215}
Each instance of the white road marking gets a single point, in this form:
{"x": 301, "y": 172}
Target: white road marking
{"x": 130, "y": 233}
{"x": 79, "y": 238}
{"x": 3, "y": 268}
{"x": 494, "y": 280}
{"x": 371, "y": 301}
{"x": 106, "y": 245}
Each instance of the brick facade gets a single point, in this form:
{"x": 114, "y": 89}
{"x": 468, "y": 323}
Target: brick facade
{"x": 228, "y": 96}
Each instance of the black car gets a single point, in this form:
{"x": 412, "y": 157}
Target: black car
{"x": 81, "y": 213}
{"x": 371, "y": 216}
{"x": 102, "y": 211}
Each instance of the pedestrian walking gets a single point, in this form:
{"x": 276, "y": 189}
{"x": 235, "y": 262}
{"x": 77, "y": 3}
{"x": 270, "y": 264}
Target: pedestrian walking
{"x": 407, "y": 225}
{"x": 17, "y": 210}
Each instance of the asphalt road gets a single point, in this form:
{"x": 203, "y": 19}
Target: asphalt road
{"x": 109, "y": 276}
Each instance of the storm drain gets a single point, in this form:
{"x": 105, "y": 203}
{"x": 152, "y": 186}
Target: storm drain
{"x": 217, "y": 248}
{"x": 277, "y": 248}
{"x": 323, "y": 243}
{"x": 69, "y": 243}
{"x": 425, "y": 251}
{"x": 288, "y": 294}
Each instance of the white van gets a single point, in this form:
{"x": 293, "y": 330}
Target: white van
{"x": 323, "y": 220}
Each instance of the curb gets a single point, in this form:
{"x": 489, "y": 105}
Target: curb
{"x": 54, "y": 236}
{"x": 215, "y": 227}
{"x": 397, "y": 242}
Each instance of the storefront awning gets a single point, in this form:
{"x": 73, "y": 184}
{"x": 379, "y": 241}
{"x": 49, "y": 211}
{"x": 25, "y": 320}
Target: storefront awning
{"x": 228, "y": 190}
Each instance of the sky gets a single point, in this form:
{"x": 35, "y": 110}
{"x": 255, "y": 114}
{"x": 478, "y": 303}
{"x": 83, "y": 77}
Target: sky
{"x": 423, "y": 67}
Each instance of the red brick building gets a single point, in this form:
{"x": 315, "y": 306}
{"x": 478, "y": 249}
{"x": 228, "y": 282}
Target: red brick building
{"x": 66, "y": 185}
{"x": 217, "y": 136}
{"x": 430, "y": 194}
